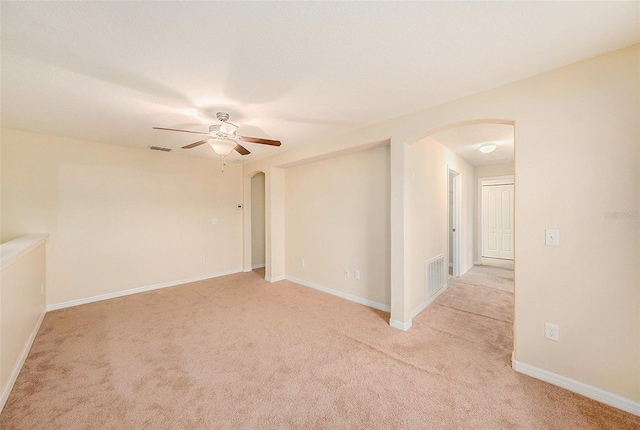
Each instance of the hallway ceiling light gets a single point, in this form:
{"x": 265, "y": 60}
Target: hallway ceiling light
{"x": 485, "y": 149}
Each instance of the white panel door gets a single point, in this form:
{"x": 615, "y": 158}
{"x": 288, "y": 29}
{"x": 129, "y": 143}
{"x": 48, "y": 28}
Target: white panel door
{"x": 497, "y": 221}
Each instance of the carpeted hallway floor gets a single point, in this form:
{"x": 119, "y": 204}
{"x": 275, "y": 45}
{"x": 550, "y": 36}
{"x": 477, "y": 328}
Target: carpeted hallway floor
{"x": 238, "y": 352}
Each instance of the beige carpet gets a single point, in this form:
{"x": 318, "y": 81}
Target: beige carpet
{"x": 489, "y": 276}
{"x": 238, "y": 352}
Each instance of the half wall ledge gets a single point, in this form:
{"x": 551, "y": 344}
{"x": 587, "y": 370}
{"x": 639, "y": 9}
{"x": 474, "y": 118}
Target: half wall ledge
{"x": 11, "y": 251}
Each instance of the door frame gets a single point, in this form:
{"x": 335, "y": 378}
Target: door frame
{"x": 493, "y": 180}
{"x": 456, "y": 187}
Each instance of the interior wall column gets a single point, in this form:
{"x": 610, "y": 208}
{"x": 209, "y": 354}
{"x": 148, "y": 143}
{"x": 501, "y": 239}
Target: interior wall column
{"x": 274, "y": 224}
{"x": 400, "y": 315}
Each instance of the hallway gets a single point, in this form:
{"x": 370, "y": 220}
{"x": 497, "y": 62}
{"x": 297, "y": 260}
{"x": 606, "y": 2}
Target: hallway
{"x": 479, "y": 307}
{"x": 489, "y": 276}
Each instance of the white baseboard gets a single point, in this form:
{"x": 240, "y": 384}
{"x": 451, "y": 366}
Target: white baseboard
{"x": 6, "y": 390}
{"x": 341, "y": 294}
{"x": 427, "y": 302}
{"x": 113, "y": 295}
{"x": 247, "y": 269}
{"x": 257, "y": 266}
{"x": 404, "y": 326}
{"x": 586, "y": 390}
{"x": 275, "y": 278}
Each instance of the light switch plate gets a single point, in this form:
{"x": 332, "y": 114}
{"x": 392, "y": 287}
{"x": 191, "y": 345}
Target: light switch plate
{"x": 552, "y": 237}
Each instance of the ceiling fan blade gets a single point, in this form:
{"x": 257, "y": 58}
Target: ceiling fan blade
{"x": 242, "y": 150}
{"x": 260, "y": 141}
{"x": 193, "y": 145}
{"x": 175, "y": 129}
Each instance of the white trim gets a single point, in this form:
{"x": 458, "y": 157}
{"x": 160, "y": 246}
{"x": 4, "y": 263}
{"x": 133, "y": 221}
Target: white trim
{"x": 11, "y": 251}
{"x": 6, "y": 390}
{"x": 490, "y": 182}
{"x": 586, "y": 390}
{"x": 257, "y": 266}
{"x": 427, "y": 302}
{"x": 113, "y": 295}
{"x": 404, "y": 326}
{"x": 351, "y": 297}
{"x": 456, "y": 190}
{"x": 275, "y": 278}
{"x": 247, "y": 269}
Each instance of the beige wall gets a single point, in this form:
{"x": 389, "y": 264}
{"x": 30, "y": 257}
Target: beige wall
{"x": 337, "y": 217}
{"x": 577, "y": 157}
{"x": 566, "y": 178}
{"x": 495, "y": 170}
{"x": 22, "y": 304}
{"x": 427, "y": 168}
{"x": 257, "y": 219}
{"x": 118, "y": 217}
{"x": 485, "y": 172}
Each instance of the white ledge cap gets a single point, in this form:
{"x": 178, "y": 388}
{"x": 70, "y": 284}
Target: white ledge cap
{"x": 11, "y": 251}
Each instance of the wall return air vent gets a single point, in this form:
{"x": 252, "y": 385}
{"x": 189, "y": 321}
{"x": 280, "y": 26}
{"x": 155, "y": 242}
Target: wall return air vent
{"x": 160, "y": 148}
{"x": 435, "y": 276}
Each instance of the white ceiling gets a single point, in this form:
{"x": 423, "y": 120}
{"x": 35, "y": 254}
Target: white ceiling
{"x": 467, "y": 139}
{"x": 295, "y": 71}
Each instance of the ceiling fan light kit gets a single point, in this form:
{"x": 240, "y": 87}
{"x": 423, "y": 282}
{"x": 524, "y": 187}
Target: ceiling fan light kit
{"x": 222, "y": 138}
{"x": 222, "y": 147}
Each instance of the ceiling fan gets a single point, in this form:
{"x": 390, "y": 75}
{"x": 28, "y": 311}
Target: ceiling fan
{"x": 223, "y": 138}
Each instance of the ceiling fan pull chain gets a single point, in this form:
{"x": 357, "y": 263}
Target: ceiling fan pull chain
{"x": 223, "y": 163}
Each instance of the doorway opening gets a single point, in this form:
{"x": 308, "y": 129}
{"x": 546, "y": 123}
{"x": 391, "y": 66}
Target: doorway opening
{"x": 483, "y": 154}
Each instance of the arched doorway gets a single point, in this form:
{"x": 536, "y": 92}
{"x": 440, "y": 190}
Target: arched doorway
{"x": 443, "y": 203}
{"x": 254, "y": 253}
{"x": 258, "y": 221}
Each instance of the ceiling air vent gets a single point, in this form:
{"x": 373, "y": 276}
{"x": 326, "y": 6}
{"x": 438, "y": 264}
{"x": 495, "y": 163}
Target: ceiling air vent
{"x": 160, "y": 148}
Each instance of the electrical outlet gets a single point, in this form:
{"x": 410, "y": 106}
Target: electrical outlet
{"x": 346, "y": 273}
{"x": 302, "y": 262}
{"x": 552, "y": 331}
{"x": 202, "y": 259}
